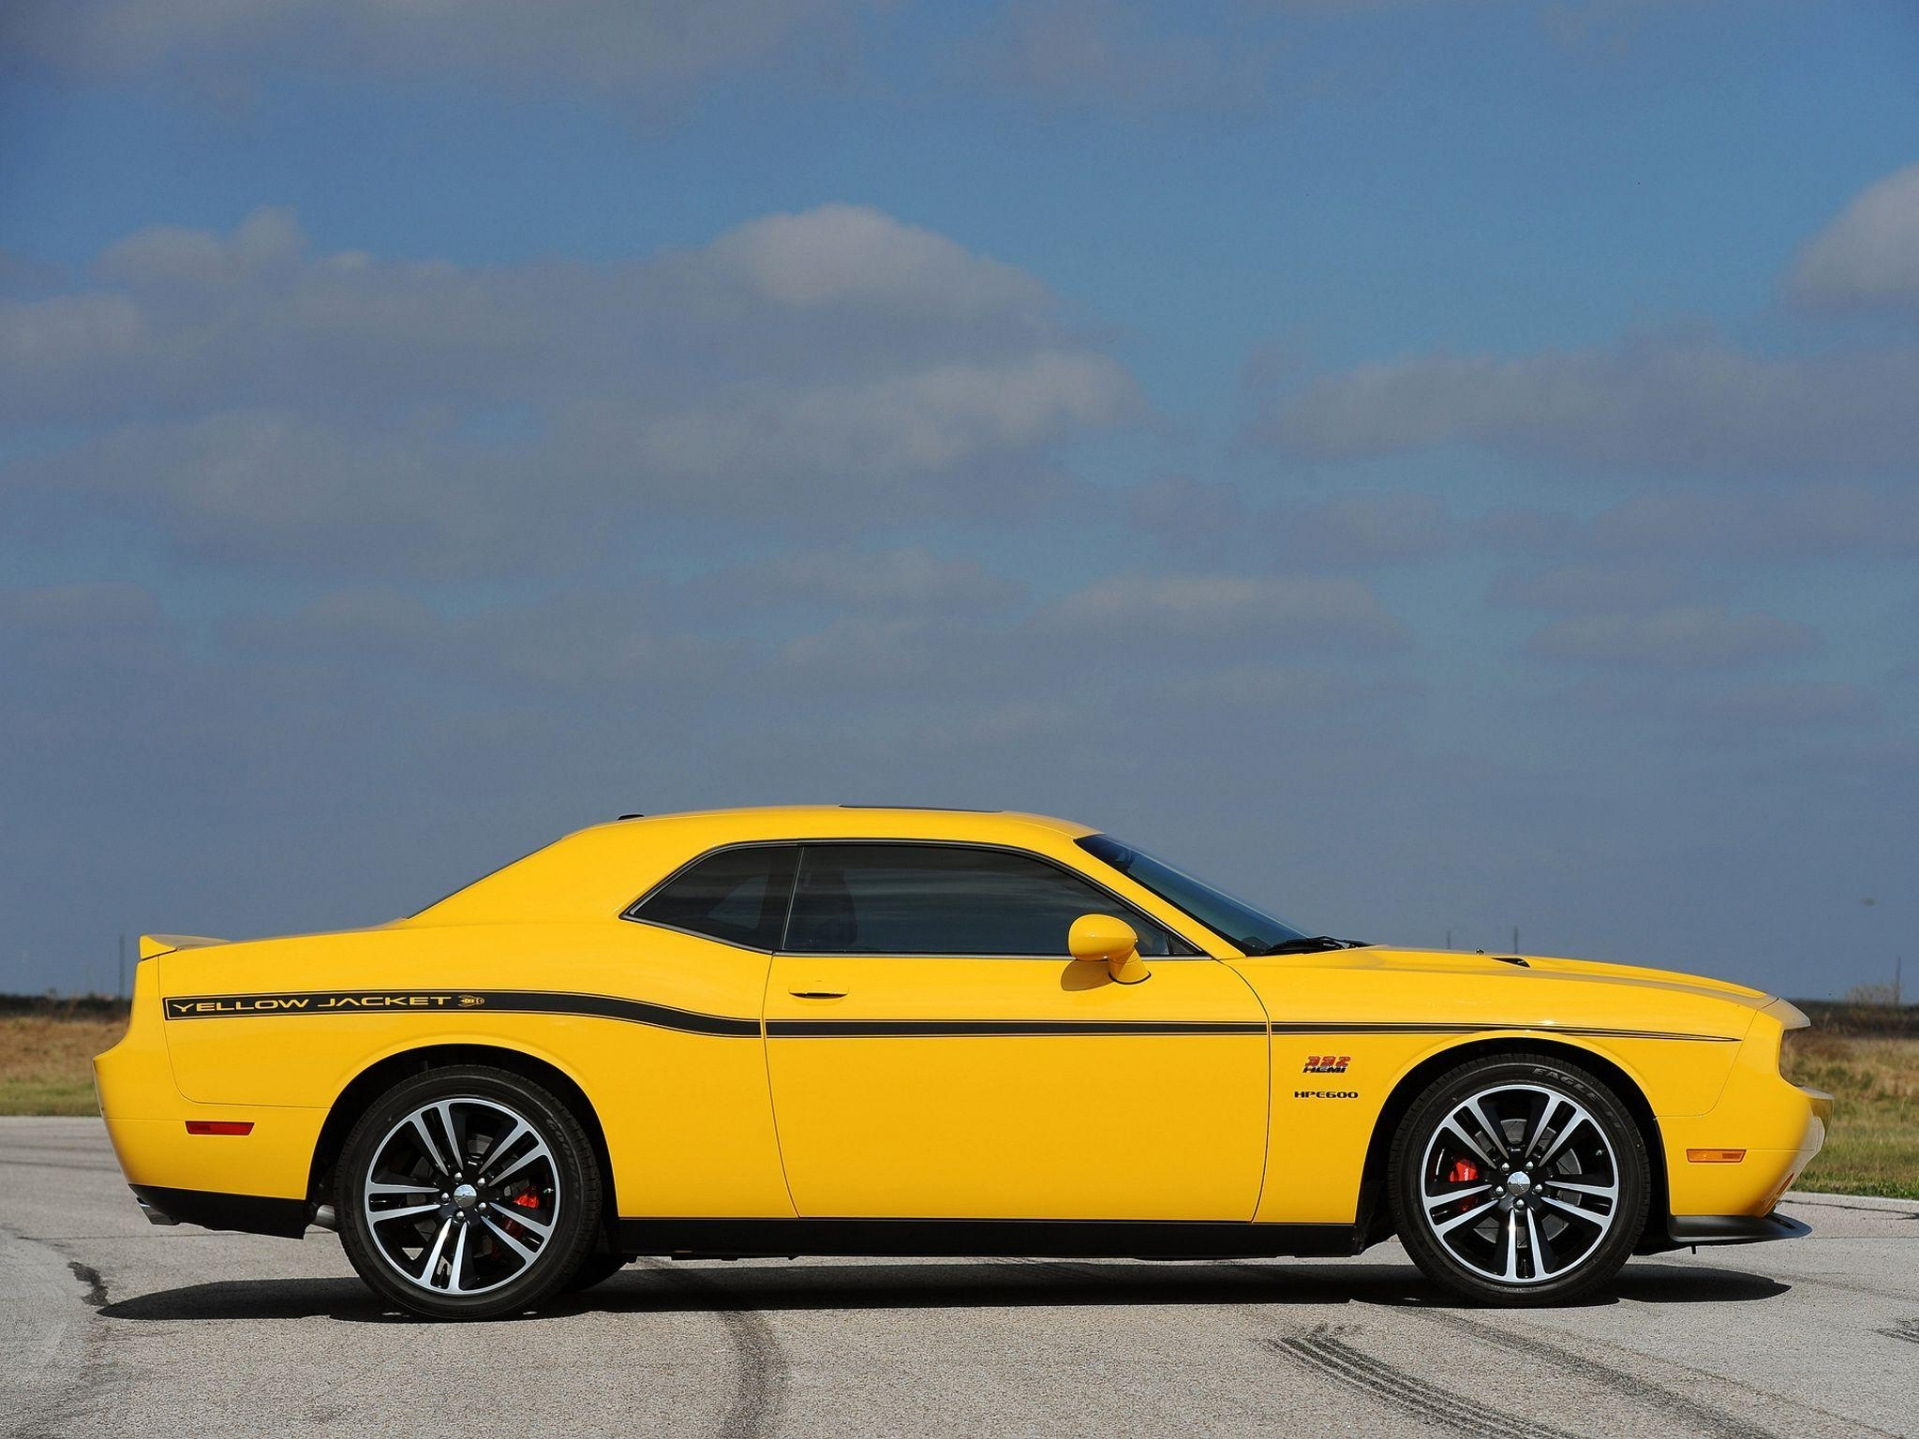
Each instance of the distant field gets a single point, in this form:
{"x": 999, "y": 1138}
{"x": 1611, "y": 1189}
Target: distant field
{"x": 46, "y": 1060}
{"x": 1873, "y": 1147}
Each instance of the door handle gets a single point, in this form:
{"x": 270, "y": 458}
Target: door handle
{"x": 817, "y": 993}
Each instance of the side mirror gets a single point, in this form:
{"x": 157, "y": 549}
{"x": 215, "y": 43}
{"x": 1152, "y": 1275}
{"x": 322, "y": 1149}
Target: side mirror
{"x": 1103, "y": 939}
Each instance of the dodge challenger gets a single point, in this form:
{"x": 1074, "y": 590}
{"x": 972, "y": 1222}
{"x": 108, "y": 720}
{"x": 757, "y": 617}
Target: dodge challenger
{"x": 869, "y": 1031}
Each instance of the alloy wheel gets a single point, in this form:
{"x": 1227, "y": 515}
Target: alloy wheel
{"x": 1520, "y": 1184}
{"x": 462, "y": 1196}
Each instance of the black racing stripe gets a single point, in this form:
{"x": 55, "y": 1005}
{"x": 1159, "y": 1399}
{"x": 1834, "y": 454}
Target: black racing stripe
{"x": 468, "y": 1001}
{"x": 685, "y": 1021}
{"x": 1012, "y": 1028}
{"x": 1442, "y": 1028}
{"x": 633, "y": 1011}
{"x": 916, "y": 1028}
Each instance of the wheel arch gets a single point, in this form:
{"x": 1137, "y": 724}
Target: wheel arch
{"x": 1374, "y": 1220}
{"x": 381, "y": 1075}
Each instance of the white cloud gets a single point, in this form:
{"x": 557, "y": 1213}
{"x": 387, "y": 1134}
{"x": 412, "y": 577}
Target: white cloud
{"x": 1631, "y": 586}
{"x": 837, "y": 253}
{"x": 1679, "y": 638}
{"x": 1116, "y": 55}
{"x": 1869, "y": 254}
{"x": 1649, "y": 406}
{"x": 1360, "y": 528}
{"x": 1246, "y": 612}
{"x": 803, "y": 370}
{"x": 637, "y": 48}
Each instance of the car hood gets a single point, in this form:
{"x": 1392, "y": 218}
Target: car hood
{"x": 1548, "y": 967}
{"x": 1423, "y": 987}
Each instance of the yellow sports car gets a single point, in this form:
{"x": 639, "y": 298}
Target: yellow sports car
{"x": 931, "y": 1032}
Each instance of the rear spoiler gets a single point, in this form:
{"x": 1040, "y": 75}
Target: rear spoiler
{"x": 152, "y": 946}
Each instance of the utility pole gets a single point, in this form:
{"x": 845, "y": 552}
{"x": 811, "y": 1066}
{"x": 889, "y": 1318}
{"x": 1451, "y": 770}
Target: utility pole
{"x": 1515, "y": 939}
{"x": 1449, "y": 939}
{"x": 1898, "y": 964}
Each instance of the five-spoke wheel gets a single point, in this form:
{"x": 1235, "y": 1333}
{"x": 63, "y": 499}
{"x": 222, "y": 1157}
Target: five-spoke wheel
{"x": 468, "y": 1192}
{"x": 1519, "y": 1179}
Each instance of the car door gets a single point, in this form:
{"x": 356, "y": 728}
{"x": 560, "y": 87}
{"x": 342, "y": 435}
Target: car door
{"x": 936, "y": 1053}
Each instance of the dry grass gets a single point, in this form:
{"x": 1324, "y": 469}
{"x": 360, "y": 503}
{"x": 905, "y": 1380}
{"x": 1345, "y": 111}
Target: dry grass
{"x": 1873, "y": 1146}
{"x": 46, "y": 1061}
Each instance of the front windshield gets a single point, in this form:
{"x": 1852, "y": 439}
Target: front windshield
{"x": 1252, "y": 931}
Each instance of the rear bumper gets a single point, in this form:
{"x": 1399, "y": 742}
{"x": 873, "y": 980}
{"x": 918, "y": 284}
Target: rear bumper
{"x": 147, "y": 1119}
{"x": 1685, "y": 1229}
{"x": 247, "y": 1213}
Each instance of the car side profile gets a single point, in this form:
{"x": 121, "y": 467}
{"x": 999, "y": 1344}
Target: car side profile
{"x": 849, "y": 1030}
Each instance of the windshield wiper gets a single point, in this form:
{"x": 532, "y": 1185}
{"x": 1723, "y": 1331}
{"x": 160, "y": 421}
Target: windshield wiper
{"x": 1314, "y": 945}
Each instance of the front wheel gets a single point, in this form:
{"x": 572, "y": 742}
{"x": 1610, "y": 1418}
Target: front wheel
{"x": 1519, "y": 1179}
{"x": 466, "y": 1193}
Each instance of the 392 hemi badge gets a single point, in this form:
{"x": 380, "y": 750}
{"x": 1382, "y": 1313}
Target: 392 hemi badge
{"x": 1326, "y": 1064}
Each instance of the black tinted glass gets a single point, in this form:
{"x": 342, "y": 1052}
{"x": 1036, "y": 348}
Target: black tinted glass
{"x": 738, "y": 895}
{"x": 932, "y": 899}
{"x": 1251, "y": 929}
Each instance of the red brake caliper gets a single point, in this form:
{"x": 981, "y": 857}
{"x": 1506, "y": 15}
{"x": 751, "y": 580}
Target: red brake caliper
{"x": 526, "y": 1199}
{"x": 1464, "y": 1172}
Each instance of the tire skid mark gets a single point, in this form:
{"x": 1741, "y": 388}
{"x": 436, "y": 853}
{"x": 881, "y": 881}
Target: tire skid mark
{"x": 1825, "y": 1281}
{"x": 1906, "y": 1329}
{"x": 1330, "y": 1357}
{"x": 759, "y": 1363}
{"x": 1697, "y": 1418}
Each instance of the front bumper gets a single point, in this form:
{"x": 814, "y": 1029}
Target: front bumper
{"x": 1777, "y": 1126}
{"x": 1688, "y": 1229}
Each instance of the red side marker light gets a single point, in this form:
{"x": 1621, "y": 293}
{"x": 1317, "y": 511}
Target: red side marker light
{"x": 1464, "y": 1172}
{"x": 219, "y": 1126}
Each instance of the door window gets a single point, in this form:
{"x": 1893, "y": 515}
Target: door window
{"x": 947, "y": 900}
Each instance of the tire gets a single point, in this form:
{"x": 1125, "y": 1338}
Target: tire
{"x": 491, "y": 1218}
{"x": 1481, "y": 1214}
{"x": 597, "y": 1268}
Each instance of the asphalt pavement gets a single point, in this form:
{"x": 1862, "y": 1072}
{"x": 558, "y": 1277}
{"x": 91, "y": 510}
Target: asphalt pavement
{"x": 111, "y": 1326}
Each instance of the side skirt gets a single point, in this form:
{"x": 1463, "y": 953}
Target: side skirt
{"x": 982, "y": 1238}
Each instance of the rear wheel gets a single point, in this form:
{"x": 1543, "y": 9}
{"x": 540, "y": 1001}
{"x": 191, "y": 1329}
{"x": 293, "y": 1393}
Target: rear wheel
{"x": 1519, "y": 1179}
{"x": 466, "y": 1193}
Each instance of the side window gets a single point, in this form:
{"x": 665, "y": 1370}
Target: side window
{"x": 738, "y": 895}
{"x": 942, "y": 899}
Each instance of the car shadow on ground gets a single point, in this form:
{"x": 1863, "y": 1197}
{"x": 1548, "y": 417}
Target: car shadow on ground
{"x": 653, "y": 1287}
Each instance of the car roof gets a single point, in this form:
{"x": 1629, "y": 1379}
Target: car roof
{"x": 599, "y": 870}
{"x": 805, "y": 821}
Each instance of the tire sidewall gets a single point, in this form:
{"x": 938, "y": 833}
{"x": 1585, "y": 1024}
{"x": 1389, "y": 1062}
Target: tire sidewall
{"x": 577, "y": 1224}
{"x": 1599, "y": 1100}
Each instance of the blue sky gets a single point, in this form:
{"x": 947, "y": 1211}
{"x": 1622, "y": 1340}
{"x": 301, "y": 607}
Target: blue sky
{"x": 1435, "y": 467}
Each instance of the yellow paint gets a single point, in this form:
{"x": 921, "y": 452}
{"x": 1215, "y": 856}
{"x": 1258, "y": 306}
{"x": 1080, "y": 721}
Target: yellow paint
{"x": 1241, "y": 1123}
{"x": 1042, "y": 1127}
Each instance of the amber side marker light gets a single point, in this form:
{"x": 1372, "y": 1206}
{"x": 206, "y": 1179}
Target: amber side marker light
{"x": 219, "y": 1126}
{"x": 1714, "y": 1156}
